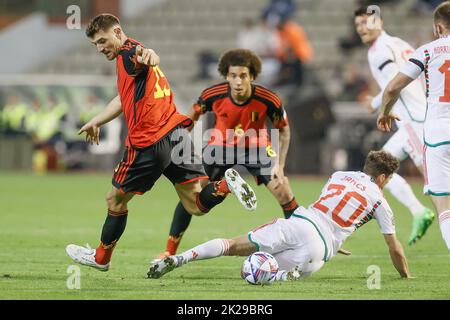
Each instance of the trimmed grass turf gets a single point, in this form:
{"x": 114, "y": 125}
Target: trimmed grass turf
{"x": 42, "y": 214}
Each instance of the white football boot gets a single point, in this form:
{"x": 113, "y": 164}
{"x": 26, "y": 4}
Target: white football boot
{"x": 161, "y": 267}
{"x": 241, "y": 189}
{"x": 293, "y": 275}
{"x": 85, "y": 256}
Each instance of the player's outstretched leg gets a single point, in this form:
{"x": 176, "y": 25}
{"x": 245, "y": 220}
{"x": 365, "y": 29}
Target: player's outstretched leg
{"x": 158, "y": 268}
{"x": 239, "y": 246}
{"x": 241, "y": 189}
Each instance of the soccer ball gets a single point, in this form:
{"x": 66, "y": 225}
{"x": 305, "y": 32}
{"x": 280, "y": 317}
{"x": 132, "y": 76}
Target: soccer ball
{"x": 259, "y": 268}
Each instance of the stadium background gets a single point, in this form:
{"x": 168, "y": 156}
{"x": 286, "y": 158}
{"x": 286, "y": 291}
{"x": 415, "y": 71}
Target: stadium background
{"x": 52, "y": 80}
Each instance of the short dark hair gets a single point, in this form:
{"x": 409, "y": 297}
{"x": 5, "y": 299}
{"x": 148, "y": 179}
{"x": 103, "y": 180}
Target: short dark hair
{"x": 102, "y": 22}
{"x": 380, "y": 162}
{"x": 442, "y": 13}
{"x": 242, "y": 58}
{"x": 363, "y": 11}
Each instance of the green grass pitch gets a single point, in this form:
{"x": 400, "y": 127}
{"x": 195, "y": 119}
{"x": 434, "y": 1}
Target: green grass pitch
{"x": 42, "y": 214}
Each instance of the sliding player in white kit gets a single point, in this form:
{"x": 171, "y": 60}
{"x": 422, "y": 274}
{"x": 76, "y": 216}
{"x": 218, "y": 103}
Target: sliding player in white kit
{"x": 434, "y": 60}
{"x": 386, "y": 55}
{"x": 310, "y": 237}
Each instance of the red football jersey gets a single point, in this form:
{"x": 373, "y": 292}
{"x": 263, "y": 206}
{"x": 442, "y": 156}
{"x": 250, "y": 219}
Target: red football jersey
{"x": 147, "y": 100}
{"x": 252, "y": 114}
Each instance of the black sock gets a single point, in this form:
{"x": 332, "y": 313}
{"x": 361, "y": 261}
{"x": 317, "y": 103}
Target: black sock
{"x": 210, "y": 197}
{"x": 289, "y": 208}
{"x": 113, "y": 227}
{"x": 180, "y": 221}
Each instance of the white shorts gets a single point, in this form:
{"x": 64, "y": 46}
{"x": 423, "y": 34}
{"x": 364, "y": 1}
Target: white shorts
{"x": 407, "y": 141}
{"x": 436, "y": 163}
{"x": 293, "y": 242}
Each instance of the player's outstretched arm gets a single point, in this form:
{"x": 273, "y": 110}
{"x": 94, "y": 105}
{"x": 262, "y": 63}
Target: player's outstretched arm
{"x": 92, "y": 128}
{"x": 285, "y": 138}
{"x": 278, "y": 170}
{"x": 390, "y": 96}
{"x": 397, "y": 255}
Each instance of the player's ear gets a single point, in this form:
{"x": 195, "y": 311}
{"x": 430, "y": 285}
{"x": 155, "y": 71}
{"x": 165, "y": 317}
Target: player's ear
{"x": 117, "y": 32}
{"x": 435, "y": 32}
{"x": 441, "y": 29}
{"x": 380, "y": 180}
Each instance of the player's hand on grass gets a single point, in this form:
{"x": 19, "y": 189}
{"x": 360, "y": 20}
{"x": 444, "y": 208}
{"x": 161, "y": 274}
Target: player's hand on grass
{"x": 92, "y": 132}
{"x": 384, "y": 122}
{"x": 146, "y": 56}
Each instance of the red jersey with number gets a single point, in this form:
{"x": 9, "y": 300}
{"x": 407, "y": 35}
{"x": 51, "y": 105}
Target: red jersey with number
{"x": 235, "y": 122}
{"x": 147, "y": 101}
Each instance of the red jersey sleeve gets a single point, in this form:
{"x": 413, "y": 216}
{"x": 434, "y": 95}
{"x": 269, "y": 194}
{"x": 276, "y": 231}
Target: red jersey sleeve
{"x": 275, "y": 110}
{"x": 209, "y": 96}
{"x": 129, "y": 58}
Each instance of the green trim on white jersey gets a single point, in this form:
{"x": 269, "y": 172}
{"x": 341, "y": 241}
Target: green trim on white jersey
{"x": 437, "y": 194}
{"x": 325, "y": 256}
{"x": 251, "y": 240}
{"x": 434, "y": 145}
{"x": 409, "y": 113}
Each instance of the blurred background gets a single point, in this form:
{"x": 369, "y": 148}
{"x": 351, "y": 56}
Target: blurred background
{"x": 52, "y": 80}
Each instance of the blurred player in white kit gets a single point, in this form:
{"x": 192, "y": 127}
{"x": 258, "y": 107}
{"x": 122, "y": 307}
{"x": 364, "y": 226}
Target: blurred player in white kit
{"x": 434, "y": 60}
{"x": 386, "y": 55}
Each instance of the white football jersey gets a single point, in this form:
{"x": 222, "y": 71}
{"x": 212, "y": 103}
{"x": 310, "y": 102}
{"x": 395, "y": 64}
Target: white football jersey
{"x": 434, "y": 60}
{"x": 349, "y": 200}
{"x": 386, "y": 55}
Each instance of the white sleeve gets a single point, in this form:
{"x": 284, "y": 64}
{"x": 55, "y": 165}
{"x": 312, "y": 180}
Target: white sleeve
{"x": 387, "y": 69}
{"x": 415, "y": 65}
{"x": 385, "y": 218}
{"x": 384, "y": 61}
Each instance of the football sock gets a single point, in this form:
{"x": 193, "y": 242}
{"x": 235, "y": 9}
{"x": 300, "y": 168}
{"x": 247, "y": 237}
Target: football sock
{"x": 211, "y": 249}
{"x": 113, "y": 228}
{"x": 211, "y": 195}
{"x": 180, "y": 222}
{"x": 289, "y": 208}
{"x": 444, "y": 222}
{"x": 402, "y": 191}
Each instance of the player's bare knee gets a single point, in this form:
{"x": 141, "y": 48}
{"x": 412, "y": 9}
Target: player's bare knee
{"x": 232, "y": 249}
{"x": 115, "y": 201}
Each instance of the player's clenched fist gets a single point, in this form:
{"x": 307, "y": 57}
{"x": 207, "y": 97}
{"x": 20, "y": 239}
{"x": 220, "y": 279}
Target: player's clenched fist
{"x": 146, "y": 56}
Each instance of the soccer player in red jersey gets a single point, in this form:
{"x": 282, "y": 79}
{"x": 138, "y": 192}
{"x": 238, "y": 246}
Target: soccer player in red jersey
{"x": 154, "y": 127}
{"x": 240, "y": 107}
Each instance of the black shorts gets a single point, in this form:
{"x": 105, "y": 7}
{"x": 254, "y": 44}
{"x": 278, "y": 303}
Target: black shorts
{"x": 139, "y": 169}
{"x": 258, "y": 167}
